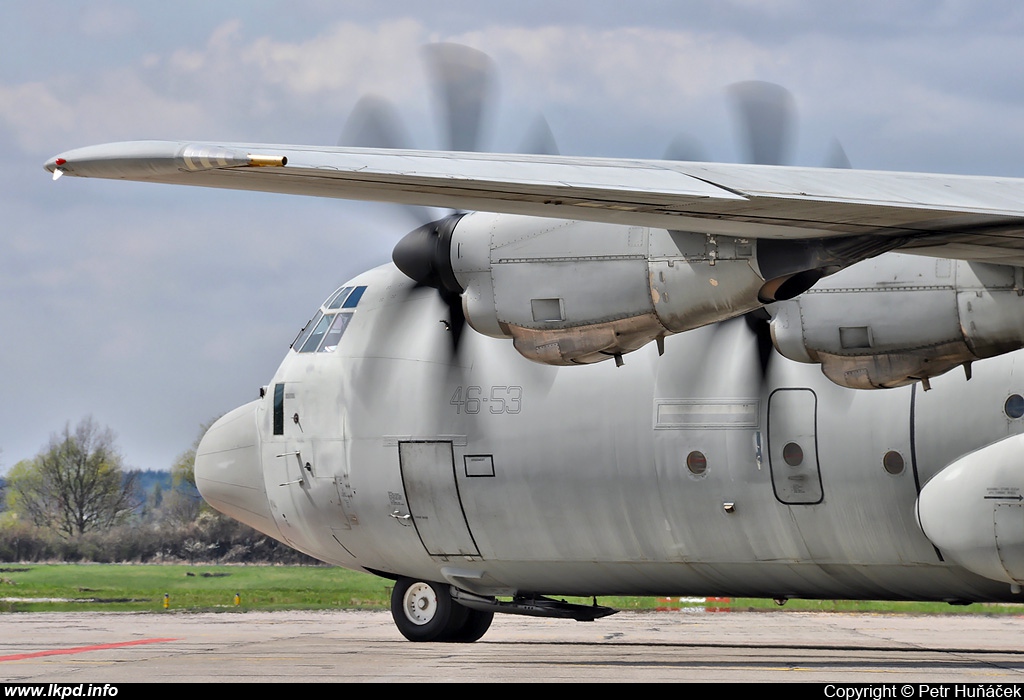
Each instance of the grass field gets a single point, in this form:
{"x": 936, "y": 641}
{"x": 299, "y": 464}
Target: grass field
{"x": 64, "y": 587}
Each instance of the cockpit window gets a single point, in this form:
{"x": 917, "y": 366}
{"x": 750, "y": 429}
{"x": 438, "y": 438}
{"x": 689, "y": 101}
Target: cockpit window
{"x": 306, "y": 330}
{"x": 338, "y": 298}
{"x": 324, "y": 331}
{"x": 313, "y": 341}
{"x": 353, "y": 298}
{"x": 335, "y": 333}
{"x": 345, "y": 298}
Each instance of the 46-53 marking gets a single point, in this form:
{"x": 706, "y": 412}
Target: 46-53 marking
{"x": 498, "y": 399}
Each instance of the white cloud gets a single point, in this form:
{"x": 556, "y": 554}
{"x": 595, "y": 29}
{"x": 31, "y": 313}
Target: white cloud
{"x": 247, "y": 83}
{"x": 34, "y": 114}
{"x": 343, "y": 58}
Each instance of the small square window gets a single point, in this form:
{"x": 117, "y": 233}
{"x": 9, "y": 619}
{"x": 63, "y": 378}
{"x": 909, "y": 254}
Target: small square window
{"x": 547, "y": 310}
{"x": 852, "y": 337}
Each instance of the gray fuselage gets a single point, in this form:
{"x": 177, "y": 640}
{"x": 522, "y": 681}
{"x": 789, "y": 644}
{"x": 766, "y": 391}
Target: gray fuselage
{"x": 696, "y": 472}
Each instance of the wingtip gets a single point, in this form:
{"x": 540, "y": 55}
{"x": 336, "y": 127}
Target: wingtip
{"x": 53, "y": 166}
{"x": 125, "y": 160}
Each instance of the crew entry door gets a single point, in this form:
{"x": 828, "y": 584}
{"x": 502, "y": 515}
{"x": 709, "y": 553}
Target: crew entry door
{"x": 432, "y": 494}
{"x": 793, "y": 446}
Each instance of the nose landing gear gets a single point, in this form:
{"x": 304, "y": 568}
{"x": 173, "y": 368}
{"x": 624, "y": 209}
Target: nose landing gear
{"x": 424, "y": 611}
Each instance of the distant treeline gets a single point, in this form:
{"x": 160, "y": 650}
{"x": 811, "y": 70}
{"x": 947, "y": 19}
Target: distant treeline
{"x": 210, "y": 538}
{"x": 169, "y": 525}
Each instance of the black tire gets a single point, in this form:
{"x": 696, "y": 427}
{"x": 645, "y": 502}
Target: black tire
{"x": 476, "y": 625}
{"x": 424, "y": 611}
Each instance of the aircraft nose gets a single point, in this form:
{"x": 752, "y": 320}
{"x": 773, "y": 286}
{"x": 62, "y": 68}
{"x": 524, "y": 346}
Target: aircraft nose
{"x": 229, "y": 470}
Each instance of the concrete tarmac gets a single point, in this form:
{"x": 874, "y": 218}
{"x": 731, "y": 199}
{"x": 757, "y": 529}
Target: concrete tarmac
{"x": 355, "y": 647}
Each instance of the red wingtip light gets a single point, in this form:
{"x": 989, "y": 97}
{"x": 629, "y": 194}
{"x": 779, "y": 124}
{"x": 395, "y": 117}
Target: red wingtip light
{"x": 60, "y": 161}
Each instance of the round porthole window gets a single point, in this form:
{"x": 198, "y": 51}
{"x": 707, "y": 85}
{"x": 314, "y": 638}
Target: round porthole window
{"x": 1014, "y": 406}
{"x": 893, "y": 462}
{"x": 793, "y": 454}
{"x": 697, "y": 463}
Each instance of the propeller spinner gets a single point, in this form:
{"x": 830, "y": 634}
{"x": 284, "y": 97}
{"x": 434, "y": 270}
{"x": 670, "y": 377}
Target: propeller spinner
{"x": 424, "y": 256}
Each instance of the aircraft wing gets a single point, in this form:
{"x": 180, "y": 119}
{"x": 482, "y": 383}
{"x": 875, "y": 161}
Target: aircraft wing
{"x": 968, "y": 217}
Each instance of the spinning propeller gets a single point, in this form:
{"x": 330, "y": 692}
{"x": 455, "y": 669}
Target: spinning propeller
{"x": 463, "y": 84}
{"x": 767, "y": 117}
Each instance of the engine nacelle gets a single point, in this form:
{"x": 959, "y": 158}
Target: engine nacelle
{"x": 574, "y": 292}
{"x": 973, "y": 511}
{"x": 898, "y": 319}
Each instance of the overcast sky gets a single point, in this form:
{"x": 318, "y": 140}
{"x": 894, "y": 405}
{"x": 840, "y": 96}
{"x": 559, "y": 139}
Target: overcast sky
{"x": 157, "y": 308}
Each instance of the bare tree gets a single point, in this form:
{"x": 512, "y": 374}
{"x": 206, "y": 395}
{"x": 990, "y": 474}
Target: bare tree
{"x": 76, "y": 484}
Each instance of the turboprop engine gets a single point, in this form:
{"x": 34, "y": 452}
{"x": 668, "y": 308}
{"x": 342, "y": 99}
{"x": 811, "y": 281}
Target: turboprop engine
{"x": 575, "y": 292}
{"x": 899, "y": 319}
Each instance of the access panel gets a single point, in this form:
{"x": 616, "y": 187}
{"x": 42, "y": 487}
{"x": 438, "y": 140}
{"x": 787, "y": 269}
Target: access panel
{"x": 432, "y": 493}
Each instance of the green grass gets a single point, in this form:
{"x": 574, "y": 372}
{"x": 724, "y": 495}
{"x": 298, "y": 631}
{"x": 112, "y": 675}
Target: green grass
{"x": 90, "y": 587}
{"x": 143, "y": 587}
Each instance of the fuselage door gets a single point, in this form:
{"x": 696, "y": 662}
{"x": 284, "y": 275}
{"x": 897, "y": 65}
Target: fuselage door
{"x": 793, "y": 446}
{"x": 305, "y": 465}
{"x": 1009, "y": 528}
{"x": 432, "y": 494}
{"x": 284, "y": 457}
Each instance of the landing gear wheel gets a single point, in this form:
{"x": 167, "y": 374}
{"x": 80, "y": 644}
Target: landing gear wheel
{"x": 425, "y": 612}
{"x": 475, "y": 626}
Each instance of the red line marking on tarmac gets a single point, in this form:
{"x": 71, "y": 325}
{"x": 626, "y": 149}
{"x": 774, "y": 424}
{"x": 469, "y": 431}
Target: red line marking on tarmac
{"x": 79, "y": 650}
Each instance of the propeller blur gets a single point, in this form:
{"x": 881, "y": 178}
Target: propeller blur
{"x": 617, "y": 376}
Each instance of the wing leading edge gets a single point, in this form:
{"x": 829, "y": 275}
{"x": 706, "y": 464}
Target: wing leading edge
{"x": 979, "y": 218}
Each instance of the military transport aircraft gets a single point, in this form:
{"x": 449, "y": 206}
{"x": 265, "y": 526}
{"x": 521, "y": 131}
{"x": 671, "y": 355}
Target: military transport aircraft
{"x": 664, "y": 388}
